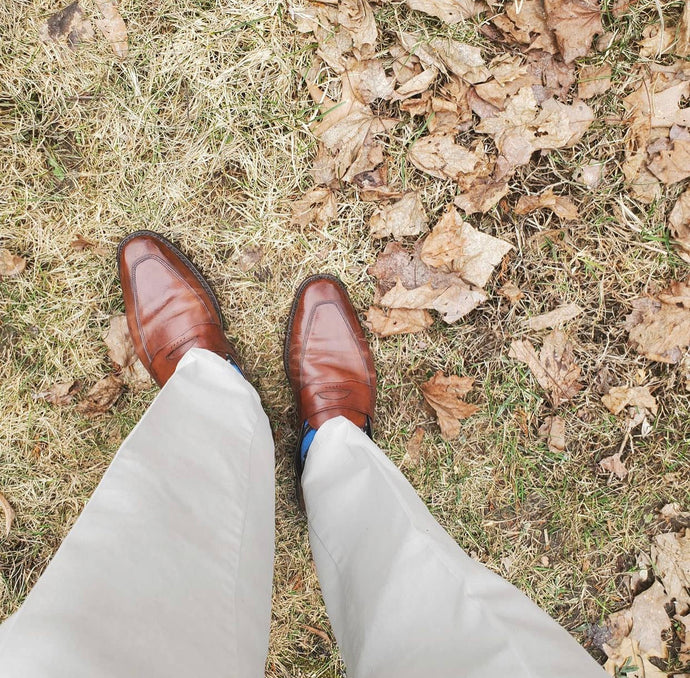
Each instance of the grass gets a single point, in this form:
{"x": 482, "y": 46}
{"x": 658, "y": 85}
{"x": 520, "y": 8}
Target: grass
{"x": 202, "y": 134}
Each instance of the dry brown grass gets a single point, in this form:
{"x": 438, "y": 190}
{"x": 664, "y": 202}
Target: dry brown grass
{"x": 202, "y": 134}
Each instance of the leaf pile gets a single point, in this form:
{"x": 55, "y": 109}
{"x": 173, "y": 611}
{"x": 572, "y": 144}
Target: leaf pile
{"x": 659, "y": 617}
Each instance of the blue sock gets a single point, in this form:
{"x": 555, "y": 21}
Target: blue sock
{"x": 232, "y": 362}
{"x": 308, "y": 434}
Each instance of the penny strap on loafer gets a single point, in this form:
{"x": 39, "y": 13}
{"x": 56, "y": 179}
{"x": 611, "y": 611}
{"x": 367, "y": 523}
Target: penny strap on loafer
{"x": 319, "y": 402}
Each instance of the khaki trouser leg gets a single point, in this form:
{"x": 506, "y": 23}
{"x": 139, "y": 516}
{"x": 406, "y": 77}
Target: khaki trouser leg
{"x": 404, "y": 600}
{"x": 168, "y": 570}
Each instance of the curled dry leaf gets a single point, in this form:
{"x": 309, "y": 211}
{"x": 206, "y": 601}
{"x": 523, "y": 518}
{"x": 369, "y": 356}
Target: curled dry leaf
{"x": 400, "y": 219}
{"x": 250, "y": 258}
{"x": 525, "y": 23}
{"x": 9, "y": 513}
{"x": 120, "y": 347}
{"x": 450, "y": 11}
{"x": 574, "y": 23}
{"x": 445, "y": 395}
{"x": 553, "y": 429}
{"x": 482, "y": 196}
{"x": 348, "y": 131}
{"x": 121, "y": 352}
{"x": 524, "y": 127}
{"x": 413, "y": 447}
{"x": 11, "y": 264}
{"x": 369, "y": 81}
{"x": 554, "y": 318}
{"x": 60, "y": 394}
{"x": 628, "y": 656}
{"x": 405, "y": 281}
{"x": 357, "y": 18}
{"x": 560, "y": 205}
{"x": 593, "y": 81}
{"x": 511, "y": 292}
{"x": 81, "y": 243}
{"x": 102, "y": 396}
{"x": 454, "y": 245}
{"x": 440, "y": 156}
{"x": 679, "y": 223}
{"x": 659, "y": 327}
{"x": 620, "y": 397}
{"x": 554, "y": 367}
{"x": 113, "y": 27}
{"x": 671, "y": 164}
{"x": 449, "y": 56}
{"x": 70, "y": 25}
{"x": 417, "y": 84}
{"x": 318, "y": 206}
{"x": 613, "y": 464}
{"x": 397, "y": 321}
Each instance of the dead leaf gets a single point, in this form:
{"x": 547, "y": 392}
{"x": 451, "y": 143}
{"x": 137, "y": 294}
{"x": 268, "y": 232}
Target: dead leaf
{"x": 620, "y": 397}
{"x": 10, "y": 264}
{"x": 627, "y": 656}
{"x": 445, "y": 395}
{"x": 102, "y": 396}
{"x": 119, "y": 342}
{"x": 593, "y": 81}
{"x": 591, "y": 175}
{"x": 525, "y": 23}
{"x": 561, "y": 206}
{"x": 454, "y": 245}
{"x": 575, "y": 23}
{"x": 560, "y": 315}
{"x": 405, "y": 281}
{"x": 113, "y": 27}
{"x": 450, "y": 11}
{"x": 69, "y": 25}
{"x": 397, "y": 321}
{"x": 417, "y": 84}
{"x": 553, "y": 429}
{"x": 449, "y": 56}
{"x": 673, "y": 164}
{"x": 357, "y": 17}
{"x": 679, "y": 222}
{"x": 671, "y": 558}
{"x": 369, "y": 81}
{"x": 348, "y": 131}
{"x": 250, "y": 258}
{"x": 659, "y": 327}
{"x": 123, "y": 355}
{"x": 524, "y": 127}
{"x": 554, "y": 368}
{"x": 613, "y": 464}
{"x": 413, "y": 447}
{"x": 440, "y": 156}
{"x": 400, "y": 219}
{"x": 81, "y": 243}
{"x": 318, "y": 206}
{"x": 511, "y": 292}
{"x": 482, "y": 196}
{"x": 453, "y": 302}
{"x": 9, "y": 513}
{"x": 60, "y": 394}
{"x": 318, "y": 632}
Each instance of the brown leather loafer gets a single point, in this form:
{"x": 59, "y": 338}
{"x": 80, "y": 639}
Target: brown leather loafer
{"x": 327, "y": 358}
{"x": 170, "y": 308}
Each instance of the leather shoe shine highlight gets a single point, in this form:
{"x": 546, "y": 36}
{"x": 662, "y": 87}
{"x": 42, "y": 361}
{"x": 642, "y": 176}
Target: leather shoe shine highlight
{"x": 170, "y": 308}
